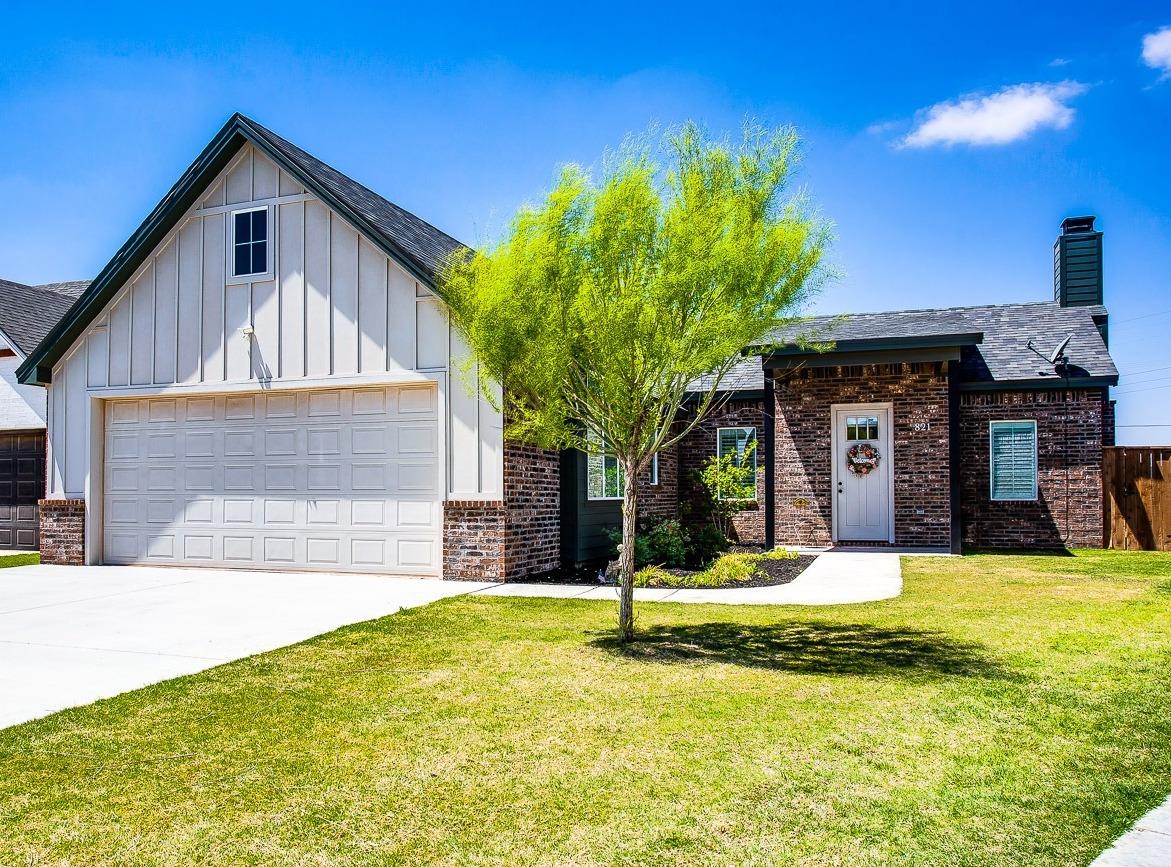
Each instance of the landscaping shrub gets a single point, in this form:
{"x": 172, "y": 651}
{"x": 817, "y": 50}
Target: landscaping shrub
{"x": 707, "y": 544}
{"x": 658, "y": 543}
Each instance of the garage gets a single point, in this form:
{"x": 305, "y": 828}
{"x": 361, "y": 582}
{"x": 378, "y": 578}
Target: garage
{"x": 22, "y": 481}
{"x": 342, "y": 479}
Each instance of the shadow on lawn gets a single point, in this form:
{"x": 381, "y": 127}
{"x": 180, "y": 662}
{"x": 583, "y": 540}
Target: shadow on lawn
{"x": 812, "y": 648}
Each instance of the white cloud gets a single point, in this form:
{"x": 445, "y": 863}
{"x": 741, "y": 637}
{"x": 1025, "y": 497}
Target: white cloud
{"x": 1059, "y": 61}
{"x": 1157, "y": 50}
{"x": 1008, "y": 115}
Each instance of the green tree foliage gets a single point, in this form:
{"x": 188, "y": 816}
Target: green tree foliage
{"x": 601, "y": 304}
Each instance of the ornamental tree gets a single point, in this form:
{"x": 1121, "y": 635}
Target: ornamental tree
{"x": 601, "y": 306}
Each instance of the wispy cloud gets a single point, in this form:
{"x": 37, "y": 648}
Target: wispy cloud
{"x": 1059, "y": 61}
{"x": 1157, "y": 50}
{"x": 1008, "y": 115}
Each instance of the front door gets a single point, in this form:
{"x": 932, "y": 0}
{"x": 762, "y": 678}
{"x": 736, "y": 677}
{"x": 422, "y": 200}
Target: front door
{"x": 862, "y": 471}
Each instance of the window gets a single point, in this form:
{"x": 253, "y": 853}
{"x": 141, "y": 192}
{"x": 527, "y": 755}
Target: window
{"x": 740, "y": 443}
{"x": 864, "y": 427}
{"x": 1013, "y": 454}
{"x": 603, "y": 477}
{"x": 655, "y": 468}
{"x": 250, "y": 242}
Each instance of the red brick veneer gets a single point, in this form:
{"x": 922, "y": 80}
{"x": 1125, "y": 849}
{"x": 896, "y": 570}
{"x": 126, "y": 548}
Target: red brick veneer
{"x": 1068, "y": 511}
{"x": 700, "y": 445}
{"x": 802, "y": 450}
{"x": 532, "y": 502}
{"x": 62, "y": 527}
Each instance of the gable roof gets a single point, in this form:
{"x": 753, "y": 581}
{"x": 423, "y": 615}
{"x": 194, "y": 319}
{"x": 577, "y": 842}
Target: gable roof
{"x": 28, "y": 313}
{"x": 993, "y": 339}
{"x": 413, "y": 243}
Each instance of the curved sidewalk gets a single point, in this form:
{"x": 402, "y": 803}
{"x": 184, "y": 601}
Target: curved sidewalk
{"x": 834, "y": 578}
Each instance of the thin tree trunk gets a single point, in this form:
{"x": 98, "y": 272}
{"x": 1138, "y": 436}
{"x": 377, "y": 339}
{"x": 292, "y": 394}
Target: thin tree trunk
{"x": 626, "y": 556}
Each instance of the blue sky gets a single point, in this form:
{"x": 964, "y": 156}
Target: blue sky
{"x": 944, "y": 144}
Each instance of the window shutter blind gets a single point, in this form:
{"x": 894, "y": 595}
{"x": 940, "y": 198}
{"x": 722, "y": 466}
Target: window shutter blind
{"x": 1014, "y": 460}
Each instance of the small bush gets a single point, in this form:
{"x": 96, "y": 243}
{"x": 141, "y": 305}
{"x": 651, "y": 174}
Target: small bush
{"x": 780, "y": 554}
{"x": 657, "y": 543}
{"x": 654, "y": 576}
{"x": 708, "y": 543}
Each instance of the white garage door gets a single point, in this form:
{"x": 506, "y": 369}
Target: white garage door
{"x": 345, "y": 479}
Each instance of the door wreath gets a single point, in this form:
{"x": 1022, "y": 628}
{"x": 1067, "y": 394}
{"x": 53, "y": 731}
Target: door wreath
{"x": 861, "y": 459}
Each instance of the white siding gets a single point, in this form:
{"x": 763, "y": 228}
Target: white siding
{"x": 22, "y": 407}
{"x": 334, "y": 306}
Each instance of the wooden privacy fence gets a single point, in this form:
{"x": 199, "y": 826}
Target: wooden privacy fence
{"x": 1137, "y": 483}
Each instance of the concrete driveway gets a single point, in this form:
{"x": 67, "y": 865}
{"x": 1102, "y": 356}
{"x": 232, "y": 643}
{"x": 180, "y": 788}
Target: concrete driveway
{"x": 70, "y": 635}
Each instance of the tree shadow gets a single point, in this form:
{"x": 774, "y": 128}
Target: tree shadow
{"x": 811, "y": 648}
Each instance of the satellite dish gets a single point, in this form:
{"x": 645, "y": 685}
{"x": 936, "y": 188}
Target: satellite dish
{"x": 1058, "y": 354}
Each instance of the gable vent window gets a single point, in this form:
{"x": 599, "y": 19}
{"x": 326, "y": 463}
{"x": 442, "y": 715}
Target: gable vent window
{"x": 1013, "y": 450}
{"x": 250, "y": 242}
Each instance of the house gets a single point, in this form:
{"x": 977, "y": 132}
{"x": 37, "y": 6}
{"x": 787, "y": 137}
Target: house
{"x": 264, "y": 377}
{"x": 26, "y": 315}
{"x": 973, "y": 426}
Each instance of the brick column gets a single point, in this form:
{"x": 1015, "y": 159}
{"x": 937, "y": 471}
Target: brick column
{"x": 62, "y": 532}
{"x": 473, "y": 540}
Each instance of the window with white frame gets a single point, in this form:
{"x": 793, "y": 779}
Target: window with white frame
{"x": 740, "y": 444}
{"x": 655, "y": 468}
{"x": 604, "y": 476}
{"x": 250, "y": 242}
{"x": 1013, "y": 460}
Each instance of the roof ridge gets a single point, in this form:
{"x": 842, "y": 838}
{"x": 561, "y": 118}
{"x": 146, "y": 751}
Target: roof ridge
{"x": 957, "y": 309}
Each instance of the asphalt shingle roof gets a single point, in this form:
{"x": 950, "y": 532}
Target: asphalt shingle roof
{"x": 28, "y": 312}
{"x": 426, "y": 246}
{"x": 1001, "y": 356}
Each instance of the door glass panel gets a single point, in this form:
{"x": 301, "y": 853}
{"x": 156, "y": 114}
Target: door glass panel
{"x": 864, "y": 427}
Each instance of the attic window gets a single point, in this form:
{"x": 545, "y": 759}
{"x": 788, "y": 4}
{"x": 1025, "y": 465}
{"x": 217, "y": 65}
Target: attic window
{"x": 250, "y": 242}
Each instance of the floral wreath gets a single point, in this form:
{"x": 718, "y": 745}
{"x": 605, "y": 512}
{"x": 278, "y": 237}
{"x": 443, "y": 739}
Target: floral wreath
{"x": 861, "y": 459}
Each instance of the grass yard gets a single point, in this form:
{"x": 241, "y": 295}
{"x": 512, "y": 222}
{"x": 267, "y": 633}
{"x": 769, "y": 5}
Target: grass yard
{"x": 1005, "y": 710}
{"x": 9, "y": 560}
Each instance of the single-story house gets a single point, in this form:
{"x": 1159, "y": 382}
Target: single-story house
{"x": 26, "y": 315}
{"x": 264, "y": 377}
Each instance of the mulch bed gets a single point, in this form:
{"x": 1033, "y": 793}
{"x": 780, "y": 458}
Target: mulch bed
{"x": 770, "y": 573}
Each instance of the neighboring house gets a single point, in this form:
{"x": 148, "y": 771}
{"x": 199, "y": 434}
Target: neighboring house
{"x": 263, "y": 377}
{"x": 26, "y": 315}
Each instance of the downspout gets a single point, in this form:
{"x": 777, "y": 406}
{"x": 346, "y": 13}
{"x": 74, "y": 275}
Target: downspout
{"x": 770, "y": 495}
{"x": 953, "y": 455}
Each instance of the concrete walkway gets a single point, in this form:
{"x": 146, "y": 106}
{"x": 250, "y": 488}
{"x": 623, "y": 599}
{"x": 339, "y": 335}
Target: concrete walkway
{"x": 1147, "y": 844}
{"x": 70, "y": 635}
{"x": 836, "y": 577}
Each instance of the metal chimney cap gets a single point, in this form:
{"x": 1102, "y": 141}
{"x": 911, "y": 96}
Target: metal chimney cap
{"x": 1077, "y": 225}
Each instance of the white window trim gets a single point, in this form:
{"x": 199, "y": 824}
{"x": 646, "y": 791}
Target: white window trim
{"x": 755, "y": 462}
{"x": 230, "y": 248}
{"x": 654, "y": 468}
{"x": 992, "y": 462}
{"x": 603, "y": 454}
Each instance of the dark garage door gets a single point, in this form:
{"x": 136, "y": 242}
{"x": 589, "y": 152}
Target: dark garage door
{"x": 22, "y": 483}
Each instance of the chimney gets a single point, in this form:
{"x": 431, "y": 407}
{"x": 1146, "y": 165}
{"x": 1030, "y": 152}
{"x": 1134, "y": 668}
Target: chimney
{"x": 1077, "y": 263}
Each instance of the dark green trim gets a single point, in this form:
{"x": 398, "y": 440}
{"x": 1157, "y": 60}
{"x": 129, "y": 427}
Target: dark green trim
{"x": 1040, "y": 384}
{"x": 37, "y": 369}
{"x": 846, "y": 358}
{"x": 860, "y": 344}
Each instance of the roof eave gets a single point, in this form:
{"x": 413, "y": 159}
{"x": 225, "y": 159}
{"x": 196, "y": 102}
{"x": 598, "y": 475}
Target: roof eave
{"x": 1039, "y": 383}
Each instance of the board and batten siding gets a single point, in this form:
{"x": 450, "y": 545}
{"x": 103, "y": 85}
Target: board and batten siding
{"x": 334, "y": 308}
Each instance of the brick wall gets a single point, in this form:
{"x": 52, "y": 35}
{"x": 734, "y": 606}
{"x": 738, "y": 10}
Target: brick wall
{"x": 1109, "y": 424}
{"x": 661, "y": 501}
{"x": 532, "y": 502}
{"x": 700, "y": 445}
{"x": 1068, "y": 511}
{"x": 473, "y": 540}
{"x": 62, "y": 525}
{"x": 803, "y": 449}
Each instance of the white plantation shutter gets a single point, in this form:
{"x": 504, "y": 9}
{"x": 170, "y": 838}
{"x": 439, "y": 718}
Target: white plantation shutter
{"x": 1013, "y": 446}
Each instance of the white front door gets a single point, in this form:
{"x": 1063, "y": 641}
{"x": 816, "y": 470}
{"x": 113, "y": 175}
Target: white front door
{"x": 862, "y": 473}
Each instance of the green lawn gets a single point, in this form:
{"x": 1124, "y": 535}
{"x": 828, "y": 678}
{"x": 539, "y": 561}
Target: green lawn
{"x": 8, "y": 560}
{"x": 1004, "y": 711}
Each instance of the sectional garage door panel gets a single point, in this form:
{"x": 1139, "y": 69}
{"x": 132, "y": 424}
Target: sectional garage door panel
{"x": 345, "y": 479}
{"x": 22, "y": 483}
